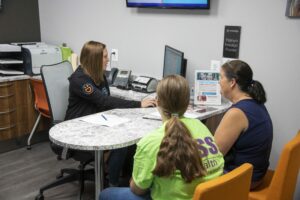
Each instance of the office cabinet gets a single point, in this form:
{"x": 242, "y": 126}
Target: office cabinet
{"x": 7, "y": 110}
{"x": 17, "y": 113}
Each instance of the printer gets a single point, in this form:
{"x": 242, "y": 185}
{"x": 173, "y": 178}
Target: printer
{"x": 144, "y": 84}
{"x": 37, "y": 54}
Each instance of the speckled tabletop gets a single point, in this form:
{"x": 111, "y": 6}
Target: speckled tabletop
{"x": 79, "y": 134}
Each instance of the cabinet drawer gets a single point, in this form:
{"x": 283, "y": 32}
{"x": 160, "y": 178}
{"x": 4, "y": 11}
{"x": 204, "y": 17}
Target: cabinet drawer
{"x": 7, "y": 102}
{"x": 7, "y": 118}
{"x": 8, "y": 132}
{"x": 7, "y": 88}
{"x": 7, "y": 96}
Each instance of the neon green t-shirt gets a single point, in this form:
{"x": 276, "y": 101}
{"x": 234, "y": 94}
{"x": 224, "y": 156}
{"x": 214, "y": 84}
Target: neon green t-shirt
{"x": 174, "y": 187}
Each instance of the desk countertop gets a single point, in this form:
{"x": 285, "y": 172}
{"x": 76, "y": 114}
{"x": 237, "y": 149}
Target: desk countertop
{"x": 130, "y": 94}
{"x": 13, "y": 78}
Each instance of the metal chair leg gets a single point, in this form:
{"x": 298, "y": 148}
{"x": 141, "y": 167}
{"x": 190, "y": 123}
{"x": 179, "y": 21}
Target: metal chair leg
{"x": 33, "y": 130}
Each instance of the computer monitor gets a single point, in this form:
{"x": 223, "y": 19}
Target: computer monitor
{"x": 174, "y": 62}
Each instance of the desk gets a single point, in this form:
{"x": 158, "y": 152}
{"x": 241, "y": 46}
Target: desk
{"x": 130, "y": 94}
{"x": 77, "y": 134}
{"x": 81, "y": 135}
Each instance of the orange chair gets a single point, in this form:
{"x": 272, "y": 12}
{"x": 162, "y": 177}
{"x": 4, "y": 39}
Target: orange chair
{"x": 40, "y": 104}
{"x": 234, "y": 185}
{"x": 280, "y": 184}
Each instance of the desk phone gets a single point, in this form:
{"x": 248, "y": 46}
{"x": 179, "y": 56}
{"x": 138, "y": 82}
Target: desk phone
{"x": 122, "y": 79}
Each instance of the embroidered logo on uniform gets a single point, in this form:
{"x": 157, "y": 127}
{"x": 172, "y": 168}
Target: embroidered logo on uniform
{"x": 87, "y": 88}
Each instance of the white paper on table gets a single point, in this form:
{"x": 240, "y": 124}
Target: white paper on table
{"x": 156, "y": 116}
{"x": 105, "y": 120}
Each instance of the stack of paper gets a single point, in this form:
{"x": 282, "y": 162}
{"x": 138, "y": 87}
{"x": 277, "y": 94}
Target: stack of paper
{"x": 105, "y": 119}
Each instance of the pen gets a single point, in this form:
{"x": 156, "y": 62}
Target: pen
{"x": 103, "y": 117}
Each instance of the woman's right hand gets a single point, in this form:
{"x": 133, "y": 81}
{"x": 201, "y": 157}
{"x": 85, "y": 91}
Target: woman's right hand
{"x": 148, "y": 103}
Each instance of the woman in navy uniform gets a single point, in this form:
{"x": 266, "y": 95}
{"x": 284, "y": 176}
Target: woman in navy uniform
{"x": 89, "y": 93}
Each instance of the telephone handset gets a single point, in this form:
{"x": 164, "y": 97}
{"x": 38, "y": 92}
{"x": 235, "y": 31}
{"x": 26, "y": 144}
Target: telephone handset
{"x": 111, "y": 75}
{"x": 122, "y": 79}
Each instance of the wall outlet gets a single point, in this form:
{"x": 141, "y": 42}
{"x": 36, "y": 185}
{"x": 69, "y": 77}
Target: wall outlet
{"x": 215, "y": 65}
{"x": 114, "y": 55}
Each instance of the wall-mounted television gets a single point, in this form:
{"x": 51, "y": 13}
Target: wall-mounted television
{"x": 180, "y": 4}
{"x": 174, "y": 62}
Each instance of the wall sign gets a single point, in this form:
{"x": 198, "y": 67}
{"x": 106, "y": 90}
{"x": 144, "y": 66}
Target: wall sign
{"x": 231, "y": 47}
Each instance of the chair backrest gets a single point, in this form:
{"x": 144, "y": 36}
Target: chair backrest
{"x": 55, "y": 79}
{"x": 40, "y": 98}
{"x": 234, "y": 185}
{"x": 284, "y": 180}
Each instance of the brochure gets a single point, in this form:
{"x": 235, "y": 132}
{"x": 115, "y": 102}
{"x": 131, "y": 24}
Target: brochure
{"x": 192, "y": 112}
{"x": 207, "y": 88}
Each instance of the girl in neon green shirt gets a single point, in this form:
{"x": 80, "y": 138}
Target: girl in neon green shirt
{"x": 171, "y": 161}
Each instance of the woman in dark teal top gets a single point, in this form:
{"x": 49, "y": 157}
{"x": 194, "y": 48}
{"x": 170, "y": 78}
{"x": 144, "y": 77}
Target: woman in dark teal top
{"x": 245, "y": 133}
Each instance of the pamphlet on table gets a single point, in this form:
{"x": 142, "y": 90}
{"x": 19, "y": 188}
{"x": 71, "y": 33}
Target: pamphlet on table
{"x": 207, "y": 88}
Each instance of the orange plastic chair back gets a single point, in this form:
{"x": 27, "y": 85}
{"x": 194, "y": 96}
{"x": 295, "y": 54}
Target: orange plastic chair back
{"x": 281, "y": 183}
{"x": 40, "y": 97}
{"x": 234, "y": 185}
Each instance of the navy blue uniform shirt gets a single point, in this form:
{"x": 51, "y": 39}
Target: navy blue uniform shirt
{"x": 85, "y": 97}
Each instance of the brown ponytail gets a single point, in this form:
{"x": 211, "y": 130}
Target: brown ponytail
{"x": 178, "y": 150}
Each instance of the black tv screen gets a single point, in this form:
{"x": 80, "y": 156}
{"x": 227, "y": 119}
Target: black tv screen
{"x": 182, "y": 4}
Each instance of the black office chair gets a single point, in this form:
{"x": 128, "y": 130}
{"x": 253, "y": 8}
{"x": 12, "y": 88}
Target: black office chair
{"x": 55, "y": 79}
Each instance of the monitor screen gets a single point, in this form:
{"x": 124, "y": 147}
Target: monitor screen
{"x": 185, "y": 4}
{"x": 174, "y": 62}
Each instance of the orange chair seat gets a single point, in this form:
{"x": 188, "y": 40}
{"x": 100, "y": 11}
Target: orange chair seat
{"x": 234, "y": 185}
{"x": 280, "y": 184}
{"x": 260, "y": 192}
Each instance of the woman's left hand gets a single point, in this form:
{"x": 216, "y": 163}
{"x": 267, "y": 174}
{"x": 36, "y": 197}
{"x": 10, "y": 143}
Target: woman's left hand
{"x": 148, "y": 103}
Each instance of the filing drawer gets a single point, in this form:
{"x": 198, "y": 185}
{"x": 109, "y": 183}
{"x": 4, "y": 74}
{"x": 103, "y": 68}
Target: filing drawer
{"x": 6, "y": 88}
{"x": 7, "y": 118}
{"x": 7, "y": 96}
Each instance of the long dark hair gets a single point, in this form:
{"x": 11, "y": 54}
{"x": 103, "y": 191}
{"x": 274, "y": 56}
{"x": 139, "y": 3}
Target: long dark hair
{"x": 178, "y": 149}
{"x": 91, "y": 60}
{"x": 242, "y": 73}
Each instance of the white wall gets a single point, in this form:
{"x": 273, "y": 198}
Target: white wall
{"x": 269, "y": 43}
